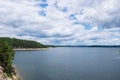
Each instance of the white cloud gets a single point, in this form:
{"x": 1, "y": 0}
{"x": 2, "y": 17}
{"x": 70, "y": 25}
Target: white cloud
{"x": 21, "y": 19}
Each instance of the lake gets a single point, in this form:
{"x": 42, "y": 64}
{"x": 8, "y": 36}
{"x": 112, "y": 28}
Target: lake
{"x": 69, "y": 63}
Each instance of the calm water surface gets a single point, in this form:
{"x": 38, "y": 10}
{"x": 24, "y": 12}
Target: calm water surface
{"x": 69, "y": 63}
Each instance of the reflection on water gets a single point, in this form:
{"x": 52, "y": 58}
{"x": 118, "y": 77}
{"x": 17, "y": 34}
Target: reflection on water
{"x": 69, "y": 63}
{"x": 117, "y": 57}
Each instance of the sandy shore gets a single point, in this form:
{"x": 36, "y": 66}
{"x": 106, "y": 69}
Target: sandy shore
{"x": 19, "y": 49}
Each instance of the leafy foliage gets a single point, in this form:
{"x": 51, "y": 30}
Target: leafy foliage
{"x": 6, "y": 57}
{"x": 7, "y": 53}
{"x": 18, "y": 43}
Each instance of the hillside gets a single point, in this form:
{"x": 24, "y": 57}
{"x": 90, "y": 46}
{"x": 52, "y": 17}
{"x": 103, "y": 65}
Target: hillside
{"x": 18, "y": 43}
{"x": 7, "y": 71}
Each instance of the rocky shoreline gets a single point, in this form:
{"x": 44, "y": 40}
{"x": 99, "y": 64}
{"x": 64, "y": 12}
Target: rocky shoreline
{"x": 3, "y": 76}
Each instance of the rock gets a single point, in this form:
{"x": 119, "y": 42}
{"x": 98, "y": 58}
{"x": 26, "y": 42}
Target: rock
{"x": 3, "y": 76}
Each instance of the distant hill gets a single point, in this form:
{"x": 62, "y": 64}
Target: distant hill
{"x": 19, "y": 43}
{"x": 83, "y": 45}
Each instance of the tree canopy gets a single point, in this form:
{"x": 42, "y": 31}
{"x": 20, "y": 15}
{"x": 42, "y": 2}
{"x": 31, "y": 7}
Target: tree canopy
{"x": 18, "y": 43}
{"x": 7, "y": 53}
{"x": 6, "y": 57}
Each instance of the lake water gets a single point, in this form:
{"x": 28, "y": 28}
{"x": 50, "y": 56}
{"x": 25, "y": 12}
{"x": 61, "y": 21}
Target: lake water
{"x": 69, "y": 63}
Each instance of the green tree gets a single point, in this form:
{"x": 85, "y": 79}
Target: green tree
{"x": 18, "y": 43}
{"x": 6, "y": 57}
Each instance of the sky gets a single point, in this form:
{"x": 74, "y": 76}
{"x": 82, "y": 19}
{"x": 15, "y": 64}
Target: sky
{"x": 62, "y": 22}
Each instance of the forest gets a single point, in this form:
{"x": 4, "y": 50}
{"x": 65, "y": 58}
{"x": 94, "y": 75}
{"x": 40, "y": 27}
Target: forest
{"x": 7, "y": 54}
{"x": 6, "y": 57}
{"x": 19, "y": 43}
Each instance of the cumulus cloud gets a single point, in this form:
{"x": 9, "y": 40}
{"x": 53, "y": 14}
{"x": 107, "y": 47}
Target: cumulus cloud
{"x": 62, "y": 22}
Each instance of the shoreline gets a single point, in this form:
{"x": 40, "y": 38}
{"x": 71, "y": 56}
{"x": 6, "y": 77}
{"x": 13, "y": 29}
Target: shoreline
{"x": 26, "y": 49}
{"x": 4, "y": 76}
{"x": 17, "y": 75}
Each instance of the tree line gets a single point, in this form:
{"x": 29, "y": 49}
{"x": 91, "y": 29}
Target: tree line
{"x": 7, "y": 53}
{"x": 18, "y": 43}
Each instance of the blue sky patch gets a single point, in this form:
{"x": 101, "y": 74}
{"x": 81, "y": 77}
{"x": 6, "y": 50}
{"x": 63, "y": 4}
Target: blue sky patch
{"x": 58, "y": 42}
{"x": 61, "y": 9}
{"x": 100, "y": 28}
{"x": 64, "y": 9}
{"x": 43, "y": 5}
{"x": 72, "y": 17}
{"x": 95, "y": 38}
{"x": 44, "y": 0}
{"x": 81, "y": 12}
{"x": 87, "y": 26}
{"x": 42, "y": 13}
{"x": 76, "y": 23}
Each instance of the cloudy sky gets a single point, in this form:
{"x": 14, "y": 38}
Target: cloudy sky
{"x": 65, "y": 22}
